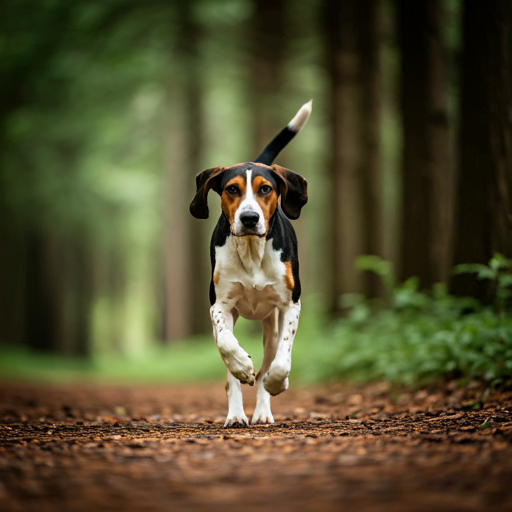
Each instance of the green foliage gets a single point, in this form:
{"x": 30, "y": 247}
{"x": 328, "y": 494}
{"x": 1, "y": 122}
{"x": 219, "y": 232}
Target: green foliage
{"x": 499, "y": 271}
{"x": 423, "y": 337}
{"x": 382, "y": 268}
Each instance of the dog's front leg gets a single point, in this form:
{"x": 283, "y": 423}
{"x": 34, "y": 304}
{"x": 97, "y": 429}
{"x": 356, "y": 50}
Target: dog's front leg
{"x": 276, "y": 379}
{"x": 236, "y": 415}
{"x": 237, "y": 360}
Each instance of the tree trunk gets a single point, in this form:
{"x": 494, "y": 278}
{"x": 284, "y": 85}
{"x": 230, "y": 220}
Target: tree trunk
{"x": 194, "y": 133}
{"x": 12, "y": 282}
{"x": 177, "y": 296}
{"x": 80, "y": 288}
{"x": 40, "y": 318}
{"x": 340, "y": 29}
{"x": 369, "y": 123}
{"x": 426, "y": 187}
{"x": 268, "y": 45}
{"x": 187, "y": 266}
{"x": 484, "y": 194}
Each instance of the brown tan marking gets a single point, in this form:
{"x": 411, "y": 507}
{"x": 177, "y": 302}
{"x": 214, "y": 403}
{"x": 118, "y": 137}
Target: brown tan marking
{"x": 215, "y": 277}
{"x": 288, "y": 278}
{"x": 268, "y": 202}
{"x": 230, "y": 203}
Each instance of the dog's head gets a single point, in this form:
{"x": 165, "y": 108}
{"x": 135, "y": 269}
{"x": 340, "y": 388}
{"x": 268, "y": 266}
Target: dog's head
{"x": 249, "y": 195}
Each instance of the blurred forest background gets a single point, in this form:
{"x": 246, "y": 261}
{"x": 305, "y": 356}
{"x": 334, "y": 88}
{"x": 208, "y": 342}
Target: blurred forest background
{"x": 109, "y": 108}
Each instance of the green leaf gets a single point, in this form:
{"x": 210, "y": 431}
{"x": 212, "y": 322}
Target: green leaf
{"x": 374, "y": 264}
{"x": 468, "y": 268}
{"x": 486, "y": 424}
{"x": 498, "y": 262}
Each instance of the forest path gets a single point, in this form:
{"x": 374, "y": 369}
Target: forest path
{"x": 163, "y": 448}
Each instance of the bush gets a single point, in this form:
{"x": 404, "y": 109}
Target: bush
{"x": 422, "y": 337}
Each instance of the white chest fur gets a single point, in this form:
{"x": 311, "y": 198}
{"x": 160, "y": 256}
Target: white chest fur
{"x": 250, "y": 276}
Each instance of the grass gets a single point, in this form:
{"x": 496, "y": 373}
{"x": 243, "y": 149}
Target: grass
{"x": 194, "y": 360}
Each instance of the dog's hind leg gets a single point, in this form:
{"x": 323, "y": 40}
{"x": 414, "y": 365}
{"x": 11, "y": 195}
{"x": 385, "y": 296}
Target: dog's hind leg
{"x": 262, "y": 412}
{"x": 236, "y": 415}
{"x": 276, "y": 379}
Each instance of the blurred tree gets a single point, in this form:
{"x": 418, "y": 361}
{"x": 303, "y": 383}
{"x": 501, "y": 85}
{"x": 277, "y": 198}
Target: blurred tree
{"x": 30, "y": 37}
{"x": 191, "y": 37}
{"x": 353, "y": 63}
{"x": 54, "y": 211}
{"x": 340, "y": 30}
{"x": 484, "y": 194}
{"x": 186, "y": 264}
{"x": 426, "y": 173}
{"x": 268, "y": 45}
{"x": 369, "y": 47}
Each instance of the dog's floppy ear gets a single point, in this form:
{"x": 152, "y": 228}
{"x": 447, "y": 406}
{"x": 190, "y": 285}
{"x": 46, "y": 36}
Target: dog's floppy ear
{"x": 205, "y": 181}
{"x": 294, "y": 191}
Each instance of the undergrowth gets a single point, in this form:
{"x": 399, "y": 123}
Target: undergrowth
{"x": 421, "y": 337}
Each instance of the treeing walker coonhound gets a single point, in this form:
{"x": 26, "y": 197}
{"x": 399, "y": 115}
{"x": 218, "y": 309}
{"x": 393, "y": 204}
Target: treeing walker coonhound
{"x": 255, "y": 267}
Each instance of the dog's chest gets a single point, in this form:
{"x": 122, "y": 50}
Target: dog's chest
{"x": 250, "y": 275}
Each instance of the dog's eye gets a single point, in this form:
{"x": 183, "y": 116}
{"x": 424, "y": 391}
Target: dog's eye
{"x": 265, "y": 189}
{"x": 232, "y": 189}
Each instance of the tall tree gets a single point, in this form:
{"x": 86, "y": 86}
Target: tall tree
{"x": 342, "y": 65}
{"x": 186, "y": 251}
{"x": 194, "y": 129}
{"x": 31, "y": 292}
{"x": 369, "y": 122}
{"x": 40, "y": 314}
{"x": 426, "y": 177}
{"x": 484, "y": 193}
{"x": 268, "y": 48}
{"x": 47, "y": 268}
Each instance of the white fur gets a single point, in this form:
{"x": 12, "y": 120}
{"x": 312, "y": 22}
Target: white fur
{"x": 236, "y": 414}
{"x": 262, "y": 412}
{"x": 301, "y": 117}
{"x": 251, "y": 283}
{"x": 249, "y": 204}
{"x": 276, "y": 379}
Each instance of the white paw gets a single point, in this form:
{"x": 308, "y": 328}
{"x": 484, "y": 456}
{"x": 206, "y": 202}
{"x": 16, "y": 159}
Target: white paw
{"x": 239, "y": 364}
{"x": 234, "y": 421}
{"x": 276, "y": 379}
{"x": 262, "y": 416}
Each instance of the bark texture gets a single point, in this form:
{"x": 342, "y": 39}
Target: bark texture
{"x": 484, "y": 194}
{"x": 426, "y": 176}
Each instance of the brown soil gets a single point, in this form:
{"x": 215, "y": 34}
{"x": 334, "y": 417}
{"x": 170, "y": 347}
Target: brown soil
{"x": 147, "y": 448}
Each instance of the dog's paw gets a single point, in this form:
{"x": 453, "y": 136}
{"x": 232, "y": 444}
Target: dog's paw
{"x": 236, "y": 421}
{"x": 262, "y": 416}
{"x": 240, "y": 365}
{"x": 276, "y": 379}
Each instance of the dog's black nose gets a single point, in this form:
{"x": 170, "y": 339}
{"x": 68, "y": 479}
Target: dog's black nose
{"x": 249, "y": 219}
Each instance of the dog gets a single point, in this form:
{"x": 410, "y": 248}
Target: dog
{"x": 255, "y": 267}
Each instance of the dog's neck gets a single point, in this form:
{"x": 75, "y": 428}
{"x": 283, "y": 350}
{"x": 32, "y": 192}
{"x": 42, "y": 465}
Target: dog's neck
{"x": 251, "y": 250}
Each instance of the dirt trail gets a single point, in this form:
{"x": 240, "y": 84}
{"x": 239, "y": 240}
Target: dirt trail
{"x": 147, "y": 448}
